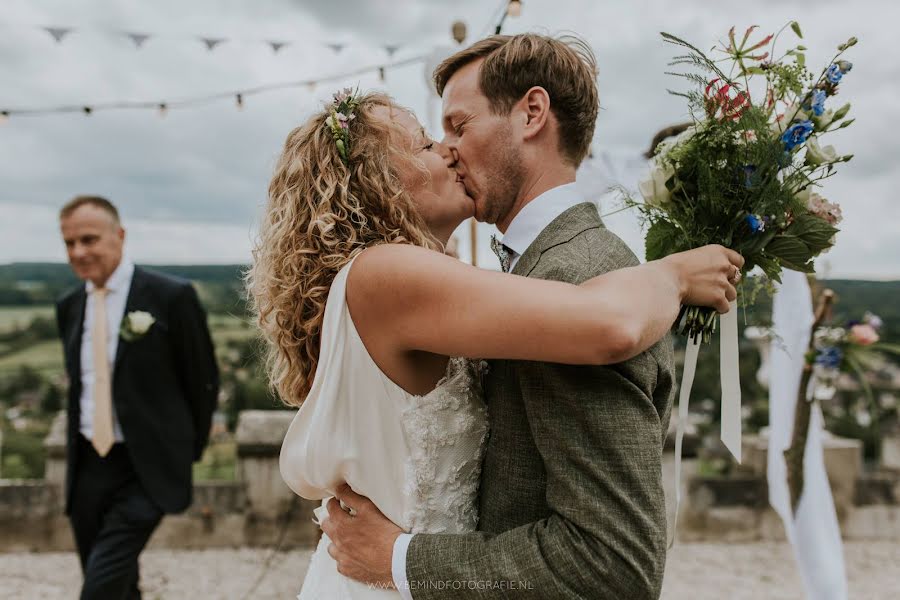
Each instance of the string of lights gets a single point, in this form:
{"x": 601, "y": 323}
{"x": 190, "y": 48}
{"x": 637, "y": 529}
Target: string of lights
{"x": 238, "y": 96}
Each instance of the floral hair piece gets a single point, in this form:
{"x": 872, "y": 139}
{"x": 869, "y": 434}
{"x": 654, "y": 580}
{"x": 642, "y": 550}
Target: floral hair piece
{"x": 338, "y": 121}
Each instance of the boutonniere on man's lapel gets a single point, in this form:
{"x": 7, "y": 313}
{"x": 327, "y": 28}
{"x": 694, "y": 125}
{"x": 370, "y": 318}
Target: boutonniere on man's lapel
{"x": 135, "y": 325}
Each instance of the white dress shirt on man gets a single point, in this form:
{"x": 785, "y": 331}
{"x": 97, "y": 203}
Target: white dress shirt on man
{"x": 119, "y": 284}
{"x": 521, "y": 233}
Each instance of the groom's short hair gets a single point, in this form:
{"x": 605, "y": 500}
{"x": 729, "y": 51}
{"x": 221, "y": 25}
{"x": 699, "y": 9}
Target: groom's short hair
{"x": 564, "y": 66}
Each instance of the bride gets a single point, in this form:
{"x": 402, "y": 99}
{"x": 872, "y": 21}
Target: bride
{"x": 376, "y": 335}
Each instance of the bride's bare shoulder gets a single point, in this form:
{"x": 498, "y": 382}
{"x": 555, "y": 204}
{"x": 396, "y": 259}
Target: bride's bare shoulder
{"x": 394, "y": 264}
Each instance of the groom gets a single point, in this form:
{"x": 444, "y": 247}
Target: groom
{"x": 571, "y": 502}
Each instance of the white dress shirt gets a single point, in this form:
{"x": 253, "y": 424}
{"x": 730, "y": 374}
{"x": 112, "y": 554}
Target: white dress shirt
{"x": 521, "y": 233}
{"x": 119, "y": 284}
{"x": 536, "y": 216}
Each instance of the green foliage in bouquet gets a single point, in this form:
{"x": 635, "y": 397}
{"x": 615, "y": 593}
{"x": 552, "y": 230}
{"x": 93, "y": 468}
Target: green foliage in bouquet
{"x": 744, "y": 174}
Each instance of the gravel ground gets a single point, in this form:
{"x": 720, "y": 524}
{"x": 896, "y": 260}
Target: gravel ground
{"x": 694, "y": 572}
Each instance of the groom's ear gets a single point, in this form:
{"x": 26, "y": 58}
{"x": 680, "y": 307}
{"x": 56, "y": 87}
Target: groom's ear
{"x": 535, "y": 105}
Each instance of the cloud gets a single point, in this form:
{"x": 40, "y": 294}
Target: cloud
{"x": 200, "y": 175}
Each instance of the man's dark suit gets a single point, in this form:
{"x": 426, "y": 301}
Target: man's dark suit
{"x": 164, "y": 389}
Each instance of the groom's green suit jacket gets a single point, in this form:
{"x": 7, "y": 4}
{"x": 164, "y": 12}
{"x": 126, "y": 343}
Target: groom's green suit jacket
{"x": 571, "y": 501}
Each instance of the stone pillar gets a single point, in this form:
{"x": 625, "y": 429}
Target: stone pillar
{"x": 275, "y": 515}
{"x": 55, "y": 444}
{"x": 259, "y": 435}
{"x": 890, "y": 449}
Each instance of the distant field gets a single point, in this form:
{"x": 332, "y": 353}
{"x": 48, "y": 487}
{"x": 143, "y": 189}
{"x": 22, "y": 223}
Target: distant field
{"x": 14, "y": 317}
{"x": 46, "y": 356}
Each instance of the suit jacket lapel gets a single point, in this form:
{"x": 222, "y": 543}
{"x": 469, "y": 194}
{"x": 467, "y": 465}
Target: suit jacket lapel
{"x": 137, "y": 283}
{"x": 562, "y": 229}
{"x": 75, "y": 334}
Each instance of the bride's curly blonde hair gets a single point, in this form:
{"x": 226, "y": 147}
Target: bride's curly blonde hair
{"x": 319, "y": 215}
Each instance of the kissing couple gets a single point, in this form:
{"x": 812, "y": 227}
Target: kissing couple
{"x": 472, "y": 433}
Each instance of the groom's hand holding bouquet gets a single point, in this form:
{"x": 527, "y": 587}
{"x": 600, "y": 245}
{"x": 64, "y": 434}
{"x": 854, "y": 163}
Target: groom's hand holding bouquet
{"x": 746, "y": 174}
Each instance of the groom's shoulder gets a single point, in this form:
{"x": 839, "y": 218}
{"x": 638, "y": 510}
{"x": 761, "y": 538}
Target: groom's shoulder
{"x": 592, "y": 252}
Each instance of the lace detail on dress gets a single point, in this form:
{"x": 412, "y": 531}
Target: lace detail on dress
{"x": 447, "y": 431}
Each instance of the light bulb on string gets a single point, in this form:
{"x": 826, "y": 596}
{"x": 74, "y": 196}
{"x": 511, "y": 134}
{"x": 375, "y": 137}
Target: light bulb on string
{"x": 381, "y": 74}
{"x": 4, "y": 116}
{"x": 515, "y": 8}
{"x": 163, "y": 109}
{"x": 87, "y": 110}
{"x": 239, "y": 101}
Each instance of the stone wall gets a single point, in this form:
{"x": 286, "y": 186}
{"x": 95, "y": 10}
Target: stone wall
{"x": 257, "y": 509}
{"x": 736, "y": 508}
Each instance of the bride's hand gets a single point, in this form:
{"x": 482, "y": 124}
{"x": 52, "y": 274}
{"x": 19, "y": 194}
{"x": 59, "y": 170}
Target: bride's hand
{"x": 707, "y": 275}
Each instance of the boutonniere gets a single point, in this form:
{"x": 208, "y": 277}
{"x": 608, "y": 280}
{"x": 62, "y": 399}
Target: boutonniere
{"x": 135, "y": 325}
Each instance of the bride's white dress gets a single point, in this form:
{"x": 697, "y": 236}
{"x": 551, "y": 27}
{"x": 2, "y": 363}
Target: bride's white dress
{"x": 418, "y": 458}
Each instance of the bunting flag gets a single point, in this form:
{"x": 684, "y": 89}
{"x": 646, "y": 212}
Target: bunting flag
{"x": 137, "y": 39}
{"x": 211, "y": 43}
{"x": 58, "y": 33}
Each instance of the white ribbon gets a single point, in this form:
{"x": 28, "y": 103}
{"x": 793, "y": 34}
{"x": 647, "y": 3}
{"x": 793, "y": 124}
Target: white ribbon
{"x": 687, "y": 382}
{"x": 731, "y": 382}
{"x": 731, "y": 396}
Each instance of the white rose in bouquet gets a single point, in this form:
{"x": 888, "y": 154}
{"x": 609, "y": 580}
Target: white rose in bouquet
{"x": 816, "y": 154}
{"x": 654, "y": 189}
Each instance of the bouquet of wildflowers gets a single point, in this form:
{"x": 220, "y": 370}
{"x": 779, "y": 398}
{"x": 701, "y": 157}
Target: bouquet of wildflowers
{"x": 745, "y": 174}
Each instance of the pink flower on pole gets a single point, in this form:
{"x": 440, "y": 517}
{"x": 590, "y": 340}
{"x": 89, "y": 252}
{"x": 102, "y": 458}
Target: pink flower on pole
{"x": 863, "y": 334}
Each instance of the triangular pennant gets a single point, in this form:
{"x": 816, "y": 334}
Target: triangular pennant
{"x": 336, "y": 47}
{"x": 391, "y": 50}
{"x": 211, "y": 43}
{"x": 276, "y": 46}
{"x": 58, "y": 33}
{"x": 137, "y": 39}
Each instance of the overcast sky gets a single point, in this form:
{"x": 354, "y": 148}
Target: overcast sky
{"x": 190, "y": 185}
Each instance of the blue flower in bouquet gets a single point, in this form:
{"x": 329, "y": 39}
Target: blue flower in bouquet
{"x": 818, "y": 102}
{"x": 834, "y": 74}
{"x": 756, "y": 223}
{"x": 830, "y": 357}
{"x": 796, "y": 134}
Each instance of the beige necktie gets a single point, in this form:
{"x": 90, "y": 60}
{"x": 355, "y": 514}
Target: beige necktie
{"x": 103, "y": 421}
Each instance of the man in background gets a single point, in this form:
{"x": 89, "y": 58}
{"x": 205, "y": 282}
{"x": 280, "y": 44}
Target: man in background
{"x": 143, "y": 384}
